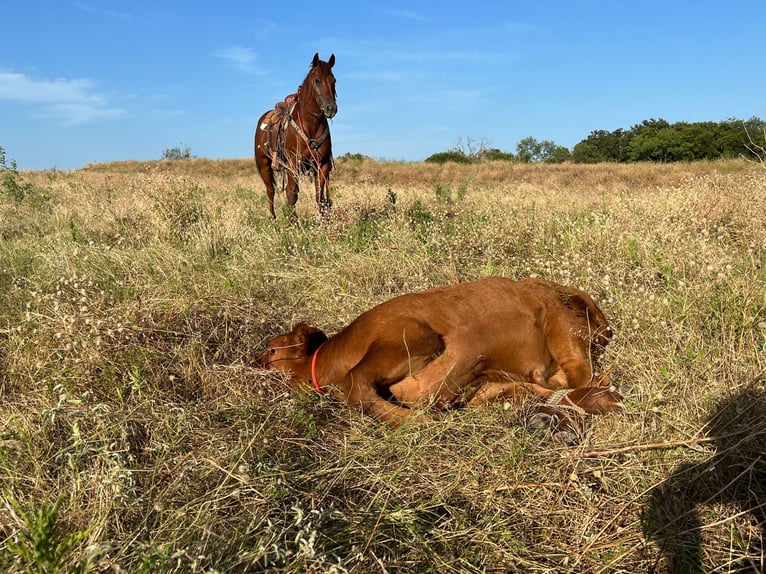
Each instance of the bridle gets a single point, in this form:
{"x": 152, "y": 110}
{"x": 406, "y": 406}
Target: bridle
{"x": 317, "y": 95}
{"x": 560, "y": 400}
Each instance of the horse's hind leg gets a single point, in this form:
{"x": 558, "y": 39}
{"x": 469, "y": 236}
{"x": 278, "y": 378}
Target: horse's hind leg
{"x": 512, "y": 391}
{"x": 571, "y": 354}
{"x": 270, "y": 184}
{"x": 267, "y": 175}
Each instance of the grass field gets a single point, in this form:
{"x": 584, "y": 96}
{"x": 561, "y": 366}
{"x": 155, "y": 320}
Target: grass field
{"x": 137, "y": 436}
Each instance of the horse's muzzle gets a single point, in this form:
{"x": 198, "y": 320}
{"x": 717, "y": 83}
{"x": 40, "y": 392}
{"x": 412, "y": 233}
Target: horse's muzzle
{"x": 329, "y": 109}
{"x": 263, "y": 359}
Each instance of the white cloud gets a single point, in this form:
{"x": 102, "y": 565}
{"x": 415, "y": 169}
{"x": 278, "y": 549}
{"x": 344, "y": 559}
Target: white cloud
{"x": 239, "y": 58}
{"x": 23, "y": 88}
{"x": 70, "y": 101}
{"x": 74, "y": 113}
{"x": 90, "y": 9}
{"x": 407, "y": 15}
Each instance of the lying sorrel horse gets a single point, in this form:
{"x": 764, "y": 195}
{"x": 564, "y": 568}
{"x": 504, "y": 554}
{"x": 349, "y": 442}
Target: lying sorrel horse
{"x": 465, "y": 344}
{"x": 294, "y": 137}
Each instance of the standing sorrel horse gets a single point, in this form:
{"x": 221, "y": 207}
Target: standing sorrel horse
{"x": 294, "y": 137}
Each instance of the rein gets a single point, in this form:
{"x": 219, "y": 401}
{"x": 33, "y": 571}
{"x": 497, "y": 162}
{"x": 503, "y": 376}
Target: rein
{"x": 314, "y": 379}
{"x": 302, "y": 132}
{"x": 314, "y": 144}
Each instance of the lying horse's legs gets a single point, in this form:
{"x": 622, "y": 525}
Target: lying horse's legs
{"x": 363, "y": 396}
{"x": 516, "y": 392}
{"x": 591, "y": 400}
{"x": 551, "y": 410}
{"x": 571, "y": 355}
{"x": 562, "y": 412}
{"x": 390, "y": 413}
{"x": 596, "y": 400}
{"x": 445, "y": 381}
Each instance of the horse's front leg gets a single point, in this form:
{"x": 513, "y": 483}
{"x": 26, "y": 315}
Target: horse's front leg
{"x": 322, "y": 181}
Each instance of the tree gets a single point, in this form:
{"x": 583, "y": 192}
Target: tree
{"x": 756, "y": 142}
{"x": 470, "y": 150}
{"x": 651, "y": 141}
{"x": 530, "y": 150}
{"x": 177, "y": 152}
{"x": 588, "y": 151}
{"x": 456, "y": 156}
{"x": 560, "y": 155}
{"x": 10, "y": 179}
{"x": 602, "y": 145}
{"x": 728, "y": 138}
{"x": 658, "y": 140}
{"x": 495, "y": 154}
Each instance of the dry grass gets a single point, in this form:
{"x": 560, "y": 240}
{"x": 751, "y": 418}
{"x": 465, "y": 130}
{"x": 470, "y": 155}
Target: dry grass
{"x": 134, "y": 295}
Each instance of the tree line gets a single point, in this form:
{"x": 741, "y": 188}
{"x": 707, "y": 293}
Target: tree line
{"x": 652, "y": 140}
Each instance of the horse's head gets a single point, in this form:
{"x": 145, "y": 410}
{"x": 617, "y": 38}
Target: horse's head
{"x": 320, "y": 85}
{"x": 292, "y": 352}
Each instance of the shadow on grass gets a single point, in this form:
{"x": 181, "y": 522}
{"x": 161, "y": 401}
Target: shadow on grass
{"x": 734, "y": 477}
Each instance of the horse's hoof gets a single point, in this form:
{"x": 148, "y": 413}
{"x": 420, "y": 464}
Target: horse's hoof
{"x": 566, "y": 438}
{"x": 543, "y": 421}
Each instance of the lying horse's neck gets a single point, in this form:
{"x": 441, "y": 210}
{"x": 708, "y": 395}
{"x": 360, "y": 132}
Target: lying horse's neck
{"x": 327, "y": 364}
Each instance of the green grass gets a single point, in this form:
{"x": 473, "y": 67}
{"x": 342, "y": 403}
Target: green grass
{"x": 136, "y": 434}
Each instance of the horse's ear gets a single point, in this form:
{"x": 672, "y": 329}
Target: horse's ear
{"x": 331, "y": 61}
{"x": 315, "y": 61}
{"x": 315, "y": 340}
{"x": 310, "y": 337}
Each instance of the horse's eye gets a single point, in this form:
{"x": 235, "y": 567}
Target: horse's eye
{"x": 272, "y": 351}
{"x": 317, "y": 81}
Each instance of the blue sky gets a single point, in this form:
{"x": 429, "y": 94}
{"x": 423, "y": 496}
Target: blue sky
{"x": 103, "y": 80}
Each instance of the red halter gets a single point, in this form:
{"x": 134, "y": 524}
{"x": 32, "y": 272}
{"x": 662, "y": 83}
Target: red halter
{"x": 314, "y": 379}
